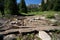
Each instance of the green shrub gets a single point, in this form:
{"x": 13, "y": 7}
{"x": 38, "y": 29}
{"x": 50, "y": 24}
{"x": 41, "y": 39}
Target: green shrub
{"x": 28, "y": 37}
{"x": 50, "y": 16}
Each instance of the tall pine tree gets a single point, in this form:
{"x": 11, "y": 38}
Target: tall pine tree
{"x": 50, "y": 4}
{"x": 44, "y": 5}
{"x": 22, "y": 7}
{"x": 57, "y": 5}
{"x": 10, "y": 7}
{"x": 14, "y": 7}
{"x": 7, "y": 6}
{"x": 2, "y": 6}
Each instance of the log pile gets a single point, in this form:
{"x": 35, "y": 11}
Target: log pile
{"x": 24, "y": 24}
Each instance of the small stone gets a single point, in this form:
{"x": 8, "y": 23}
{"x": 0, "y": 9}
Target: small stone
{"x": 37, "y": 18}
{"x": 15, "y": 19}
{"x": 50, "y": 33}
{"x": 13, "y": 22}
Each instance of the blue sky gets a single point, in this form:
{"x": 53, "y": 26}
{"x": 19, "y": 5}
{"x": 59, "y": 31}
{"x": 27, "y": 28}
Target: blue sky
{"x": 31, "y": 1}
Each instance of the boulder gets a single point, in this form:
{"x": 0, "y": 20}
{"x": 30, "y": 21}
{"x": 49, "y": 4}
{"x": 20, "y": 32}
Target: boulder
{"x": 2, "y": 21}
{"x": 13, "y": 22}
{"x": 57, "y": 16}
{"x": 10, "y": 37}
{"x": 53, "y": 20}
{"x": 44, "y": 36}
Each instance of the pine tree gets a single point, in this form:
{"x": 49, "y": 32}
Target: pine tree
{"x": 57, "y": 5}
{"x": 53, "y": 5}
{"x": 22, "y": 7}
{"x": 43, "y": 6}
{"x": 46, "y": 5}
{"x": 50, "y": 4}
{"x": 10, "y": 7}
{"x": 14, "y": 7}
{"x": 7, "y": 7}
{"x": 2, "y": 6}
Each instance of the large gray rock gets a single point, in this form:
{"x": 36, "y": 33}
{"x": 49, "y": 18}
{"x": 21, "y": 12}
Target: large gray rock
{"x": 10, "y": 37}
{"x": 53, "y": 20}
{"x": 57, "y": 16}
{"x": 1, "y": 22}
{"x": 44, "y": 36}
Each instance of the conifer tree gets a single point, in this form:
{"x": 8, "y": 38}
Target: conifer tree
{"x": 43, "y": 5}
{"x": 14, "y": 7}
{"x": 7, "y": 7}
{"x": 22, "y": 7}
{"x": 51, "y": 4}
{"x": 2, "y": 6}
{"x": 57, "y": 5}
{"x": 10, "y": 7}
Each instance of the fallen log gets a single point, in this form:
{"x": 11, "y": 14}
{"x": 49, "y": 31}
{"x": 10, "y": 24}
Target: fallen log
{"x": 15, "y": 26}
{"x": 17, "y": 30}
{"x": 23, "y": 26}
{"x": 47, "y": 28}
{"x": 20, "y": 30}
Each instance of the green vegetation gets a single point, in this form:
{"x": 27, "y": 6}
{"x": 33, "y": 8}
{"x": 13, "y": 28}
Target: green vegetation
{"x": 43, "y": 13}
{"x": 10, "y": 7}
{"x": 28, "y": 37}
{"x": 55, "y": 34}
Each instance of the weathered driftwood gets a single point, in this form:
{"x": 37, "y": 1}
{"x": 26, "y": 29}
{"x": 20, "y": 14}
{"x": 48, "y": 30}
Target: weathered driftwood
{"x": 20, "y": 30}
{"x": 15, "y": 26}
{"x": 23, "y": 26}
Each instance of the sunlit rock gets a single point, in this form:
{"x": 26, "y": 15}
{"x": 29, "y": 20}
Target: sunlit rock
{"x": 42, "y": 17}
{"x": 44, "y": 36}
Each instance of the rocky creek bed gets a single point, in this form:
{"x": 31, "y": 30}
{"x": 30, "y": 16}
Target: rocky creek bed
{"x": 29, "y": 28}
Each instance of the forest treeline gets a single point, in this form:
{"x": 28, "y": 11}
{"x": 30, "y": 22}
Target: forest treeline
{"x": 50, "y": 5}
{"x": 11, "y": 6}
